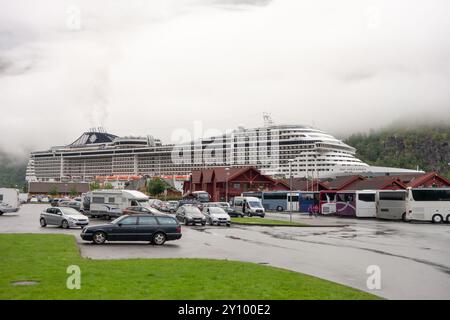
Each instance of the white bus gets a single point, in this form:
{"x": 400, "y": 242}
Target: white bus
{"x": 428, "y": 204}
{"x": 390, "y": 204}
{"x": 110, "y": 203}
{"x": 359, "y": 204}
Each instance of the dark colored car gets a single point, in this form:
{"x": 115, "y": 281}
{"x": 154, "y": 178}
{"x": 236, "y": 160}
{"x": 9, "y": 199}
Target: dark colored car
{"x": 137, "y": 227}
{"x": 190, "y": 214}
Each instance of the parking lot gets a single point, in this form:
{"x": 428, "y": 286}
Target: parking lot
{"x": 414, "y": 259}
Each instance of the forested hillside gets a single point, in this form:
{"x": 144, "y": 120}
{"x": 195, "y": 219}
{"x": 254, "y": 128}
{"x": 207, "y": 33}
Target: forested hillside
{"x": 425, "y": 146}
{"x": 12, "y": 171}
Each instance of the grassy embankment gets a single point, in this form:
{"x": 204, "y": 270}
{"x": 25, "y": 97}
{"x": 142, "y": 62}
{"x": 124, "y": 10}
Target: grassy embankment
{"x": 45, "y": 258}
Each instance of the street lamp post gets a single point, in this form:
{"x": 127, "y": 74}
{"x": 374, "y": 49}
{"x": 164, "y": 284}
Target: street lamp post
{"x": 226, "y": 184}
{"x": 290, "y": 190}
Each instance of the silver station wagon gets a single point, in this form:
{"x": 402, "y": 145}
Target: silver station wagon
{"x": 64, "y": 217}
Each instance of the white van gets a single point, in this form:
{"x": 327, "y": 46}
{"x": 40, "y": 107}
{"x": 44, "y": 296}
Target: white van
{"x": 250, "y": 206}
{"x": 111, "y": 203}
{"x": 9, "y": 200}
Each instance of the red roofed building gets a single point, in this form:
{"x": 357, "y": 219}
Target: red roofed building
{"x": 215, "y": 180}
{"x": 425, "y": 180}
{"x": 376, "y": 183}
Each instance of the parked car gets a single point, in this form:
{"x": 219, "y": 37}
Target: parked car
{"x": 216, "y": 215}
{"x": 137, "y": 227}
{"x": 56, "y": 201}
{"x": 189, "y": 214}
{"x": 170, "y": 206}
{"x": 33, "y": 199}
{"x": 155, "y": 203}
{"x": 225, "y": 206}
{"x": 64, "y": 217}
{"x": 191, "y": 202}
{"x": 139, "y": 209}
{"x": 71, "y": 204}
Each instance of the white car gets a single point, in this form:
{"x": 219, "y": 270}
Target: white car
{"x": 216, "y": 215}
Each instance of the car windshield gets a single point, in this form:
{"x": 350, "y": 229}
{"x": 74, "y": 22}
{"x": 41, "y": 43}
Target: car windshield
{"x": 193, "y": 210}
{"x": 255, "y": 204}
{"x": 70, "y": 211}
{"x": 216, "y": 210}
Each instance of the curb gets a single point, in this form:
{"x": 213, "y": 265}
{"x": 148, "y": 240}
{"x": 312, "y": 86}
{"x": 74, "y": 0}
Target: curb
{"x": 289, "y": 225}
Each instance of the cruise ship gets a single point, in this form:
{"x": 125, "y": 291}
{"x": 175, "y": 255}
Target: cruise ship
{"x": 276, "y": 150}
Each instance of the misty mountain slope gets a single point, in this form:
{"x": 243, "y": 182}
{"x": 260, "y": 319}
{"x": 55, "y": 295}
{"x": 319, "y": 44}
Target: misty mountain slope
{"x": 12, "y": 172}
{"x": 426, "y": 146}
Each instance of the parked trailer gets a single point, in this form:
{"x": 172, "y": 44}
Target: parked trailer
{"x": 430, "y": 204}
{"x": 9, "y": 200}
{"x": 359, "y": 204}
{"x": 391, "y": 204}
{"x": 111, "y": 203}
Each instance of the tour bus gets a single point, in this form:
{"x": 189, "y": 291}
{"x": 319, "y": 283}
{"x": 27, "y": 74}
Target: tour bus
{"x": 201, "y": 196}
{"x": 276, "y": 200}
{"x": 390, "y": 204}
{"x": 359, "y": 204}
{"x": 110, "y": 203}
{"x": 250, "y": 206}
{"x": 9, "y": 200}
{"x": 308, "y": 200}
{"x": 327, "y": 202}
{"x": 428, "y": 204}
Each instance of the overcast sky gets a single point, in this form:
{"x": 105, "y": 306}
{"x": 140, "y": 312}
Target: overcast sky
{"x": 152, "y": 66}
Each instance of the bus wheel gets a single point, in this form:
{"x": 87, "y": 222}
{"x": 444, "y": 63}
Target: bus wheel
{"x": 437, "y": 218}
{"x": 279, "y": 208}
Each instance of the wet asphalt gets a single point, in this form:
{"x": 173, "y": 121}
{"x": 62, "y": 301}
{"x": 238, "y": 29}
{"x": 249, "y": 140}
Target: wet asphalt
{"x": 414, "y": 258}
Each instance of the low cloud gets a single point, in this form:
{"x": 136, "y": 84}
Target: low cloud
{"x": 151, "y": 67}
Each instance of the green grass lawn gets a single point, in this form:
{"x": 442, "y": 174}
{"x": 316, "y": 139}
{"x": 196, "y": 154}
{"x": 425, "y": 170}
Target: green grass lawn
{"x": 45, "y": 258}
{"x": 248, "y": 220}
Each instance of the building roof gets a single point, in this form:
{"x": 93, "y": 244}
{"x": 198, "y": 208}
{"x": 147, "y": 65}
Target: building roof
{"x": 341, "y": 182}
{"x": 223, "y": 174}
{"x": 419, "y": 180}
{"x": 376, "y": 183}
{"x": 303, "y": 185}
{"x": 61, "y": 187}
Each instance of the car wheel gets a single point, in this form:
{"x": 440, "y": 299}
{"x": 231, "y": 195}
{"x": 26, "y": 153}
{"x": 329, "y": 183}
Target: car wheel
{"x": 1, "y": 213}
{"x": 99, "y": 237}
{"x": 43, "y": 222}
{"x": 448, "y": 218}
{"x": 65, "y": 224}
{"x": 203, "y": 223}
{"x": 437, "y": 218}
{"x": 404, "y": 217}
{"x": 228, "y": 224}
{"x": 159, "y": 238}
